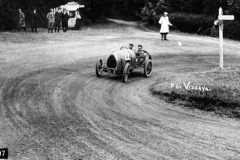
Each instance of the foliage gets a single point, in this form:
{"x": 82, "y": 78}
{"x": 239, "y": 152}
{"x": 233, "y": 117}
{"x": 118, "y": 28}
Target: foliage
{"x": 191, "y": 22}
{"x": 7, "y": 14}
{"x": 231, "y": 30}
{"x": 154, "y": 8}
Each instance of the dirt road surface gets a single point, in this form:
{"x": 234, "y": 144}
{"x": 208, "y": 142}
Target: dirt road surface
{"x": 53, "y": 107}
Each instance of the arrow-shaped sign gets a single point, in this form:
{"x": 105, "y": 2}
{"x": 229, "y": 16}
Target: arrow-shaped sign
{"x": 225, "y": 17}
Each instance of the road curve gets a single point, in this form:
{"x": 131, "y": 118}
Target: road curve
{"x": 61, "y": 110}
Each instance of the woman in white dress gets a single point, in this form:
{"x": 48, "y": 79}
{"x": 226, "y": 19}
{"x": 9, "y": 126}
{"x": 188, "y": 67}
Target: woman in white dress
{"x": 164, "y": 21}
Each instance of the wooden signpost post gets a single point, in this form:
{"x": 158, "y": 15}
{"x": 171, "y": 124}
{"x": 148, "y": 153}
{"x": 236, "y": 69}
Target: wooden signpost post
{"x": 221, "y": 18}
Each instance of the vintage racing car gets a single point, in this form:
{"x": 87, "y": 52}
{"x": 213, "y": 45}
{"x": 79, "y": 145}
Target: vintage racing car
{"x": 124, "y": 61}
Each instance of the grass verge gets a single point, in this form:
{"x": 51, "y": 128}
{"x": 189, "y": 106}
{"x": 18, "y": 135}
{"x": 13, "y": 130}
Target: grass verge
{"x": 215, "y": 91}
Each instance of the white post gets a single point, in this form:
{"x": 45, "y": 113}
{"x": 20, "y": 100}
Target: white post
{"x": 221, "y": 39}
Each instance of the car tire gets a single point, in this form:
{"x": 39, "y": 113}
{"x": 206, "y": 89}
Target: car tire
{"x": 99, "y": 65}
{"x": 125, "y": 73}
{"x": 148, "y": 68}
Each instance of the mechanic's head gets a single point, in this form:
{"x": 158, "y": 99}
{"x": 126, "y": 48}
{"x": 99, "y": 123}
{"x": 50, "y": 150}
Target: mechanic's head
{"x": 130, "y": 46}
{"x": 140, "y": 47}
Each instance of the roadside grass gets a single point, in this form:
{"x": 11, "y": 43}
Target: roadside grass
{"x": 215, "y": 91}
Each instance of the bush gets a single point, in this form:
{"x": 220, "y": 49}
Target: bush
{"x": 191, "y": 22}
{"x": 231, "y": 30}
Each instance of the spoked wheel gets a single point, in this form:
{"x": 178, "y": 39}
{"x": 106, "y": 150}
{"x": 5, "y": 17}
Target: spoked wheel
{"x": 99, "y": 67}
{"x": 125, "y": 73}
{"x": 148, "y": 68}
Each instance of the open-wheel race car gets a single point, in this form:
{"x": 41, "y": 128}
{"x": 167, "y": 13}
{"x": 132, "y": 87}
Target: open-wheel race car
{"x": 124, "y": 61}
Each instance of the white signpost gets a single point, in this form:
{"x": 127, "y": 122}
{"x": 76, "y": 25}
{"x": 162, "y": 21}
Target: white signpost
{"x": 222, "y": 17}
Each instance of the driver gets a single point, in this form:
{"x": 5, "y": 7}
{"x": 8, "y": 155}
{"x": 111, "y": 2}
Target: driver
{"x": 142, "y": 54}
{"x": 130, "y": 46}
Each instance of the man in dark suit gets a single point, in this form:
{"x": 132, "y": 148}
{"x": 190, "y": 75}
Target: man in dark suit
{"x": 34, "y": 21}
{"x": 58, "y": 19}
{"x": 65, "y": 18}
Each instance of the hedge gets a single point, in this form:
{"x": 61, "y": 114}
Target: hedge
{"x": 232, "y": 30}
{"x": 191, "y": 23}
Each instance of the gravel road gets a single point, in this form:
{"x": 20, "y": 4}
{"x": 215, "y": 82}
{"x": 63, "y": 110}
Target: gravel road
{"x": 53, "y": 107}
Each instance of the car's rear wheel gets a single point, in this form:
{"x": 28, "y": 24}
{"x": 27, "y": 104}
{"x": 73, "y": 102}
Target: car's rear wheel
{"x": 125, "y": 73}
{"x": 99, "y": 67}
{"x": 148, "y": 68}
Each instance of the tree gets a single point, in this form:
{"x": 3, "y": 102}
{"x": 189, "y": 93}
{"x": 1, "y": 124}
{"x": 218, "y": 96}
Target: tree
{"x": 153, "y": 9}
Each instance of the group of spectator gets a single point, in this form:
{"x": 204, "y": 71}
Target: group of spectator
{"x": 34, "y": 21}
{"x": 54, "y": 20}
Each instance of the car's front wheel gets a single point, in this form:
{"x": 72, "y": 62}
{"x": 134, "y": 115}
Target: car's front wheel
{"x": 99, "y": 67}
{"x": 148, "y": 68}
{"x": 125, "y": 73}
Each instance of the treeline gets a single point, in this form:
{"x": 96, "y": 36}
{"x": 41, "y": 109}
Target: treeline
{"x": 154, "y": 8}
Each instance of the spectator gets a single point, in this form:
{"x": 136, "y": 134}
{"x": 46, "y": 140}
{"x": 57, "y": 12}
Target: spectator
{"x": 65, "y": 18}
{"x": 34, "y": 21}
{"x": 51, "y": 20}
{"x": 164, "y": 21}
{"x": 58, "y": 19}
{"x": 21, "y": 22}
{"x": 78, "y": 19}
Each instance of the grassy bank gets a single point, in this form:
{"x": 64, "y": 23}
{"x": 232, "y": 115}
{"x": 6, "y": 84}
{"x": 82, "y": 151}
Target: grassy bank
{"x": 215, "y": 91}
